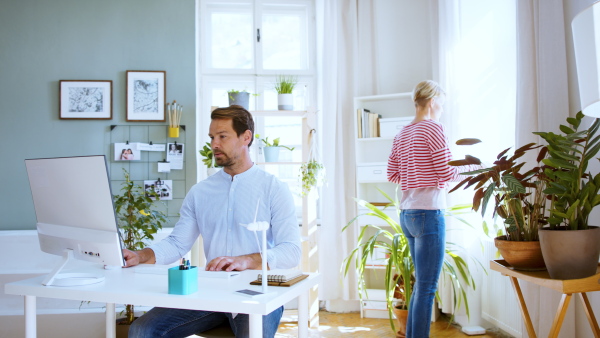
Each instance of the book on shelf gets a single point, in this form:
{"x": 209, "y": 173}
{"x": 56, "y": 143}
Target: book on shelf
{"x": 367, "y": 123}
{"x": 280, "y": 275}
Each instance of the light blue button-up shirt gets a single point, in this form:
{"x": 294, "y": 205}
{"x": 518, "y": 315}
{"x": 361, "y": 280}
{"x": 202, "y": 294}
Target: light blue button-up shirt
{"x": 215, "y": 208}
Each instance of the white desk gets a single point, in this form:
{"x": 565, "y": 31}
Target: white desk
{"x": 124, "y": 286}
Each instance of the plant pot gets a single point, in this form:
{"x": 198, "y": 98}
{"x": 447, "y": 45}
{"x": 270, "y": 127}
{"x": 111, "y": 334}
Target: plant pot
{"x": 271, "y": 154}
{"x": 241, "y": 99}
{"x": 122, "y": 330}
{"x": 521, "y": 255}
{"x": 285, "y": 101}
{"x": 401, "y": 318}
{"x": 571, "y": 254}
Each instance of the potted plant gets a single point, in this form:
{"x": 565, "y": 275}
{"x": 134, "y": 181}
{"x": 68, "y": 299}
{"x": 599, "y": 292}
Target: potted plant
{"x": 284, "y": 85}
{"x": 571, "y": 246}
{"x": 312, "y": 174}
{"x": 208, "y": 159}
{"x": 398, "y": 263}
{"x": 138, "y": 222}
{"x": 271, "y": 149}
{"x": 240, "y": 98}
{"x": 518, "y": 199}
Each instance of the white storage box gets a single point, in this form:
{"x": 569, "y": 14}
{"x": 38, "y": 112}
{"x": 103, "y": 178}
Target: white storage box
{"x": 371, "y": 173}
{"x": 389, "y": 127}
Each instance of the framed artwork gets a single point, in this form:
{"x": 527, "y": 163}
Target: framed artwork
{"x": 146, "y": 92}
{"x": 85, "y": 99}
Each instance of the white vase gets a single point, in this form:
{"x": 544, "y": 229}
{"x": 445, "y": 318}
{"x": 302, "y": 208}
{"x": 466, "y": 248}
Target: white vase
{"x": 285, "y": 102}
{"x": 271, "y": 154}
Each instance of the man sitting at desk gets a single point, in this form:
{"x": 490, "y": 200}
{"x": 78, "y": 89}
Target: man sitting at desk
{"x": 215, "y": 208}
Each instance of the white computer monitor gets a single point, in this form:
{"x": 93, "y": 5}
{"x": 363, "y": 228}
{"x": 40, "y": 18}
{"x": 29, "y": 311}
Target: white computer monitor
{"x": 75, "y": 214}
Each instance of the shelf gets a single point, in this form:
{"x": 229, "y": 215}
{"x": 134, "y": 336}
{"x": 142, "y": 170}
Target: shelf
{"x": 383, "y": 97}
{"x": 279, "y": 163}
{"x": 277, "y": 113}
{"x": 374, "y": 139}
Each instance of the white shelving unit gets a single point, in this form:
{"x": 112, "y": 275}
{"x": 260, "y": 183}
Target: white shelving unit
{"x": 309, "y": 228}
{"x": 371, "y": 176}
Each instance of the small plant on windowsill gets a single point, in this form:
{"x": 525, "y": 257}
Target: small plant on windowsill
{"x": 271, "y": 149}
{"x": 284, "y": 85}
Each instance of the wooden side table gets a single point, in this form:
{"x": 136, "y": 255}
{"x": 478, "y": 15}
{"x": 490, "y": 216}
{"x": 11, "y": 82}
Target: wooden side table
{"x": 566, "y": 287}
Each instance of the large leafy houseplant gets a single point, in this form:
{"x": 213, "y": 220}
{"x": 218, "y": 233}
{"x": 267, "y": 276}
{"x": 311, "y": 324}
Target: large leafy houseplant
{"x": 518, "y": 198}
{"x": 573, "y": 189}
{"x": 137, "y": 221}
{"x": 398, "y": 264}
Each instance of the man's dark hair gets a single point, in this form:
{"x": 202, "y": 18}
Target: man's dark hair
{"x": 241, "y": 119}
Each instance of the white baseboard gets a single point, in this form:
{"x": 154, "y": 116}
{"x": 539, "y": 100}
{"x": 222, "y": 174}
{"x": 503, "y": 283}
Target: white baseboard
{"x": 342, "y": 306}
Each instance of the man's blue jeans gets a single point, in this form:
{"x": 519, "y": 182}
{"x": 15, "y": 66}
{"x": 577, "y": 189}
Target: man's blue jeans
{"x": 164, "y": 322}
{"x": 426, "y": 234}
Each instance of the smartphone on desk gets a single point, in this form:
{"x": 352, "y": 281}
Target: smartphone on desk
{"x": 249, "y": 293}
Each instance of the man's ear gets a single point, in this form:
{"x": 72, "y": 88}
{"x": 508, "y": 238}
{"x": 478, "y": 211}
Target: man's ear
{"x": 247, "y": 137}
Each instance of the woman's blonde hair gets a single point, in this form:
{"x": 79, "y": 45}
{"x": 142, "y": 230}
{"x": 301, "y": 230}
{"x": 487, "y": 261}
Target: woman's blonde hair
{"x": 425, "y": 91}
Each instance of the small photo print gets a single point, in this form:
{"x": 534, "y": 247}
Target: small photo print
{"x": 162, "y": 188}
{"x": 175, "y": 149}
{"x": 127, "y": 152}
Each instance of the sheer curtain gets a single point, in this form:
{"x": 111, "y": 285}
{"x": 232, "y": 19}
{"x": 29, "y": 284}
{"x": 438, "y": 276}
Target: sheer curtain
{"x": 346, "y": 71}
{"x": 476, "y": 64}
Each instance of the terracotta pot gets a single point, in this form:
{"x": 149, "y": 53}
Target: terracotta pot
{"x": 521, "y": 255}
{"x": 122, "y": 330}
{"x": 571, "y": 254}
{"x": 401, "y": 318}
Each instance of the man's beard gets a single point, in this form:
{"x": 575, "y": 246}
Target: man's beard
{"x": 224, "y": 161}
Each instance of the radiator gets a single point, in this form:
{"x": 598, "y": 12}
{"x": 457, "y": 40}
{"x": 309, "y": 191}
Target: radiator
{"x": 499, "y": 302}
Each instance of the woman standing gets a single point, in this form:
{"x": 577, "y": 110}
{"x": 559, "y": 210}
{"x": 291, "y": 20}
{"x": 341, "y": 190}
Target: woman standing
{"x": 419, "y": 163}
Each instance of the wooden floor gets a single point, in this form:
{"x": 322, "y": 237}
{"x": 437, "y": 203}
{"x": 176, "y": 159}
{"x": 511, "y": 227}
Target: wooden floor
{"x": 351, "y": 325}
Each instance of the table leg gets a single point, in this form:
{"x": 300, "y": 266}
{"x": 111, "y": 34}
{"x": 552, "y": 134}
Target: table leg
{"x": 255, "y": 323}
{"x": 111, "y": 320}
{"x": 303, "y": 315}
{"x": 523, "y": 306}
{"x": 590, "y": 314}
{"x": 560, "y": 315}
{"x": 30, "y": 317}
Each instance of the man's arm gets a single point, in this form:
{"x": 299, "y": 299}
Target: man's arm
{"x": 144, "y": 256}
{"x": 238, "y": 263}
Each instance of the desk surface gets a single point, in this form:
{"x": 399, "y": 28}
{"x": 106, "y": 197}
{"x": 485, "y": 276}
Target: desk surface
{"x": 542, "y": 278}
{"x": 124, "y": 286}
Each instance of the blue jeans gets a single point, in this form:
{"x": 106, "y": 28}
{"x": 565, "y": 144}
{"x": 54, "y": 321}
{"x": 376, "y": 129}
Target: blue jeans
{"x": 164, "y": 322}
{"x": 425, "y": 231}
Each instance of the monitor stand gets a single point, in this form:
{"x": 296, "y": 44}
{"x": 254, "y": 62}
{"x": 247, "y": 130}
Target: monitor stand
{"x": 55, "y": 278}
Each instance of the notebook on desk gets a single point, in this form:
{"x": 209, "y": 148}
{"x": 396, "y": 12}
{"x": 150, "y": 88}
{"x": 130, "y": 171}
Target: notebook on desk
{"x": 288, "y": 283}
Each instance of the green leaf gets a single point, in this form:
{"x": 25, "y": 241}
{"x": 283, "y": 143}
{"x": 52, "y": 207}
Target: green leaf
{"x": 513, "y": 184}
{"x": 566, "y": 129}
{"x": 558, "y": 164}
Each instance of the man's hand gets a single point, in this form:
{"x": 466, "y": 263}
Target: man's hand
{"x": 237, "y": 263}
{"x": 133, "y": 258}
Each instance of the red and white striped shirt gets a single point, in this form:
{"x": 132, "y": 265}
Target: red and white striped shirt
{"x": 420, "y": 157}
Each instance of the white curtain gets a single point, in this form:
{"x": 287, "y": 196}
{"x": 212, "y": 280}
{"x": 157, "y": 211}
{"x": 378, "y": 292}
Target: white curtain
{"x": 475, "y": 62}
{"x": 542, "y": 105}
{"x": 345, "y": 49}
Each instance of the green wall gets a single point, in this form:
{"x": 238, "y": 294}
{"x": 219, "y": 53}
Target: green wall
{"x": 42, "y": 42}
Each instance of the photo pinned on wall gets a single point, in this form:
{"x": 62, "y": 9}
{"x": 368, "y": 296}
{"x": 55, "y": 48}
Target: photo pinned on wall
{"x": 85, "y": 99}
{"x": 175, "y": 155}
{"x": 162, "y": 188}
{"x": 127, "y": 152}
{"x": 146, "y": 92}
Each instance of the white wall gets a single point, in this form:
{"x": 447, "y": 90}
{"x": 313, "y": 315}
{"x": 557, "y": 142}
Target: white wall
{"x": 403, "y": 44}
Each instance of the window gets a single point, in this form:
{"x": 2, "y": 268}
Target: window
{"x": 244, "y": 45}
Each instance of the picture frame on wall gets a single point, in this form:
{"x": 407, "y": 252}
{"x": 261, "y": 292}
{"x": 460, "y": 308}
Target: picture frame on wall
{"x": 146, "y": 93}
{"x": 85, "y": 99}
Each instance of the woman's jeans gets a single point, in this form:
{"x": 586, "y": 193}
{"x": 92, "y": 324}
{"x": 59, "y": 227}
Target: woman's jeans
{"x": 426, "y": 234}
{"x": 164, "y": 322}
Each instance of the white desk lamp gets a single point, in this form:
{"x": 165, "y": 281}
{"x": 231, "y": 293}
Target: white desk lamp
{"x": 260, "y": 226}
{"x": 586, "y": 40}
